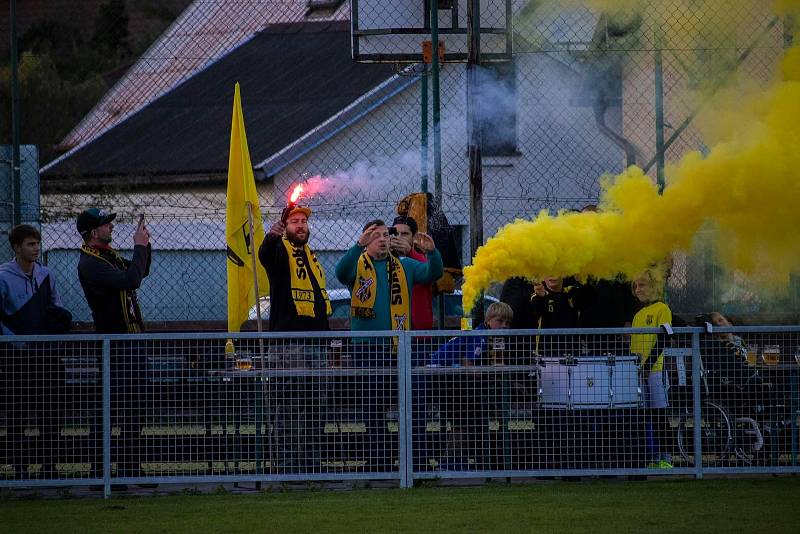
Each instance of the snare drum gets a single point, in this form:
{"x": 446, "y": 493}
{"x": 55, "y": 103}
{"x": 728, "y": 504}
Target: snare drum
{"x": 589, "y": 382}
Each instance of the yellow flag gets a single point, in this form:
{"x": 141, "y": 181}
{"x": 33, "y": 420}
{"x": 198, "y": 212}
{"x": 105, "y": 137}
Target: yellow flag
{"x": 242, "y": 247}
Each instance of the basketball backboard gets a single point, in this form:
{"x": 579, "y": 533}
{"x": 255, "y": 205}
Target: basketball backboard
{"x": 393, "y": 31}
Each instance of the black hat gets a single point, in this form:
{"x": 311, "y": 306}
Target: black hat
{"x": 93, "y": 218}
{"x": 408, "y": 221}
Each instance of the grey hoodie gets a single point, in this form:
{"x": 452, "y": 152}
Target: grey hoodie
{"x": 24, "y": 299}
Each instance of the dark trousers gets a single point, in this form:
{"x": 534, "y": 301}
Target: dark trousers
{"x": 419, "y": 407}
{"x": 128, "y": 409}
{"x": 377, "y": 392}
{"x": 299, "y": 407}
{"x": 31, "y": 381}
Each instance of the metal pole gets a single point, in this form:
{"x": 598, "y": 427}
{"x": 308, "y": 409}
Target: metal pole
{"x": 437, "y": 134}
{"x": 264, "y": 378}
{"x": 15, "y": 119}
{"x": 659, "y": 101}
{"x": 107, "y": 419}
{"x": 423, "y": 144}
{"x": 716, "y": 86}
{"x": 474, "y": 134}
{"x": 255, "y": 279}
{"x": 405, "y": 407}
{"x": 697, "y": 414}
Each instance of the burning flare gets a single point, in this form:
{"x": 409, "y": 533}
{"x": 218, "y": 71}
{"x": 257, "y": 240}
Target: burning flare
{"x": 296, "y": 192}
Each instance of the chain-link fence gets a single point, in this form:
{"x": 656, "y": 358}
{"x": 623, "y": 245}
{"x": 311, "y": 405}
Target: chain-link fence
{"x": 181, "y": 408}
{"x": 590, "y": 88}
{"x": 20, "y": 191}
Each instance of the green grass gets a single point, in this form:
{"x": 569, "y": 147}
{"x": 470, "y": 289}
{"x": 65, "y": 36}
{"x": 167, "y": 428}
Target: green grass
{"x": 722, "y": 505}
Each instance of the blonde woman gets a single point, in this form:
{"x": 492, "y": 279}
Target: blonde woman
{"x": 648, "y": 288}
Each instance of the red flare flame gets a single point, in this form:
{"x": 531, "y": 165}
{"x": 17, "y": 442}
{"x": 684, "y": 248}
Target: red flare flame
{"x": 296, "y": 192}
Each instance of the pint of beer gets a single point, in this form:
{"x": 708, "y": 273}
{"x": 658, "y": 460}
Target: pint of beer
{"x": 772, "y": 354}
{"x": 244, "y": 362}
{"x": 497, "y": 348}
{"x": 336, "y": 353}
{"x": 752, "y": 354}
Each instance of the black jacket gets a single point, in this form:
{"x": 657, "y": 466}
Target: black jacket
{"x": 613, "y": 306}
{"x": 517, "y": 293}
{"x": 562, "y": 309}
{"x": 109, "y": 282}
{"x": 282, "y": 311}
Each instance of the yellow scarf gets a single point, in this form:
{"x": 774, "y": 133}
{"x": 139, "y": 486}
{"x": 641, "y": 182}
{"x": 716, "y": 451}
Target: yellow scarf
{"x": 362, "y": 301}
{"x": 129, "y": 304}
{"x": 302, "y": 290}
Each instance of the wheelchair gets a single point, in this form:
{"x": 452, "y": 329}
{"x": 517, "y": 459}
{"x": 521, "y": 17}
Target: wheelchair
{"x": 743, "y": 416}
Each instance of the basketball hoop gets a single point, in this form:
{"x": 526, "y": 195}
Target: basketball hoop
{"x": 400, "y": 31}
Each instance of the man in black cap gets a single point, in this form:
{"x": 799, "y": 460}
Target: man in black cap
{"x": 110, "y": 281}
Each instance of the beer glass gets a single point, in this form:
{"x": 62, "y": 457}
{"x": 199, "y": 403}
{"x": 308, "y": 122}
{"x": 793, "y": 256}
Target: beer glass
{"x": 752, "y": 354}
{"x": 244, "y": 361}
{"x": 771, "y": 354}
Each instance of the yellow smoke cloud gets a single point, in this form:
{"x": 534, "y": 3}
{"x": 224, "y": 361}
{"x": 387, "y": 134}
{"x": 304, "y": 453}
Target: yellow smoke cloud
{"x": 747, "y": 188}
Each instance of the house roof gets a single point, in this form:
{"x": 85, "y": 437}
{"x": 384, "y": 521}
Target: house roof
{"x": 293, "y": 78}
{"x": 203, "y": 33}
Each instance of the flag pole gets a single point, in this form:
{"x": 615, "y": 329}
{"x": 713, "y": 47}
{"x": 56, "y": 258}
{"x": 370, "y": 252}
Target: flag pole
{"x": 255, "y": 280}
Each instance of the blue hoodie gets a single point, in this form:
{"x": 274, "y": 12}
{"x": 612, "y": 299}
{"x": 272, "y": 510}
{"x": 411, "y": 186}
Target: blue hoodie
{"x": 471, "y": 348}
{"x": 24, "y": 299}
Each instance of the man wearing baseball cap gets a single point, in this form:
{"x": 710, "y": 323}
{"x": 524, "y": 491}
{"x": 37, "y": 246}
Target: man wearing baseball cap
{"x": 110, "y": 281}
{"x": 298, "y": 299}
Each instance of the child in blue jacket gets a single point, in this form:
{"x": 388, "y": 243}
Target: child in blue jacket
{"x": 473, "y": 350}
{"x": 466, "y": 400}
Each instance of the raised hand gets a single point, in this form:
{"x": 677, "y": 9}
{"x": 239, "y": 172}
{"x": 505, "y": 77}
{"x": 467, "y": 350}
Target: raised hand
{"x": 400, "y": 245}
{"x": 369, "y": 235}
{"x": 142, "y": 235}
{"x": 424, "y": 243}
{"x": 539, "y": 289}
{"x": 278, "y": 228}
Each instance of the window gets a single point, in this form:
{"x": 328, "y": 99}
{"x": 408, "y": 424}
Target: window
{"x": 497, "y": 109}
{"x": 317, "y": 5}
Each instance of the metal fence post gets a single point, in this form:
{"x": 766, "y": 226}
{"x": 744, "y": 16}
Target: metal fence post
{"x": 404, "y": 408}
{"x": 106, "y": 418}
{"x": 15, "y": 119}
{"x": 436, "y": 93}
{"x": 659, "y": 105}
{"x": 696, "y": 404}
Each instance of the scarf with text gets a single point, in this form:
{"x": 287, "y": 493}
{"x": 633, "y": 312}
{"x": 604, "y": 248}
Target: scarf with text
{"x": 128, "y": 301}
{"x": 301, "y": 273}
{"x": 362, "y": 301}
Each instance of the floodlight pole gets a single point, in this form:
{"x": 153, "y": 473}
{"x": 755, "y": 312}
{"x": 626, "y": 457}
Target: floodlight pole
{"x": 437, "y": 134}
{"x": 474, "y": 135}
{"x": 15, "y": 120}
{"x": 423, "y": 142}
{"x": 659, "y": 105}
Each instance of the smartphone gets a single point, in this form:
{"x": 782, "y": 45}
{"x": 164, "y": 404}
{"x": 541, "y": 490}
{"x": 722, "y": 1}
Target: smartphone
{"x": 141, "y": 219}
{"x": 392, "y": 230}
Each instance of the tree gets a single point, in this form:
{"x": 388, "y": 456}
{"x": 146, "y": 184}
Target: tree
{"x": 111, "y": 29}
{"x": 50, "y": 105}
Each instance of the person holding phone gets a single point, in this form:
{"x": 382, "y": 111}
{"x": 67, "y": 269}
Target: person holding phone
{"x": 110, "y": 281}
{"x": 404, "y": 243}
{"x": 381, "y": 299}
